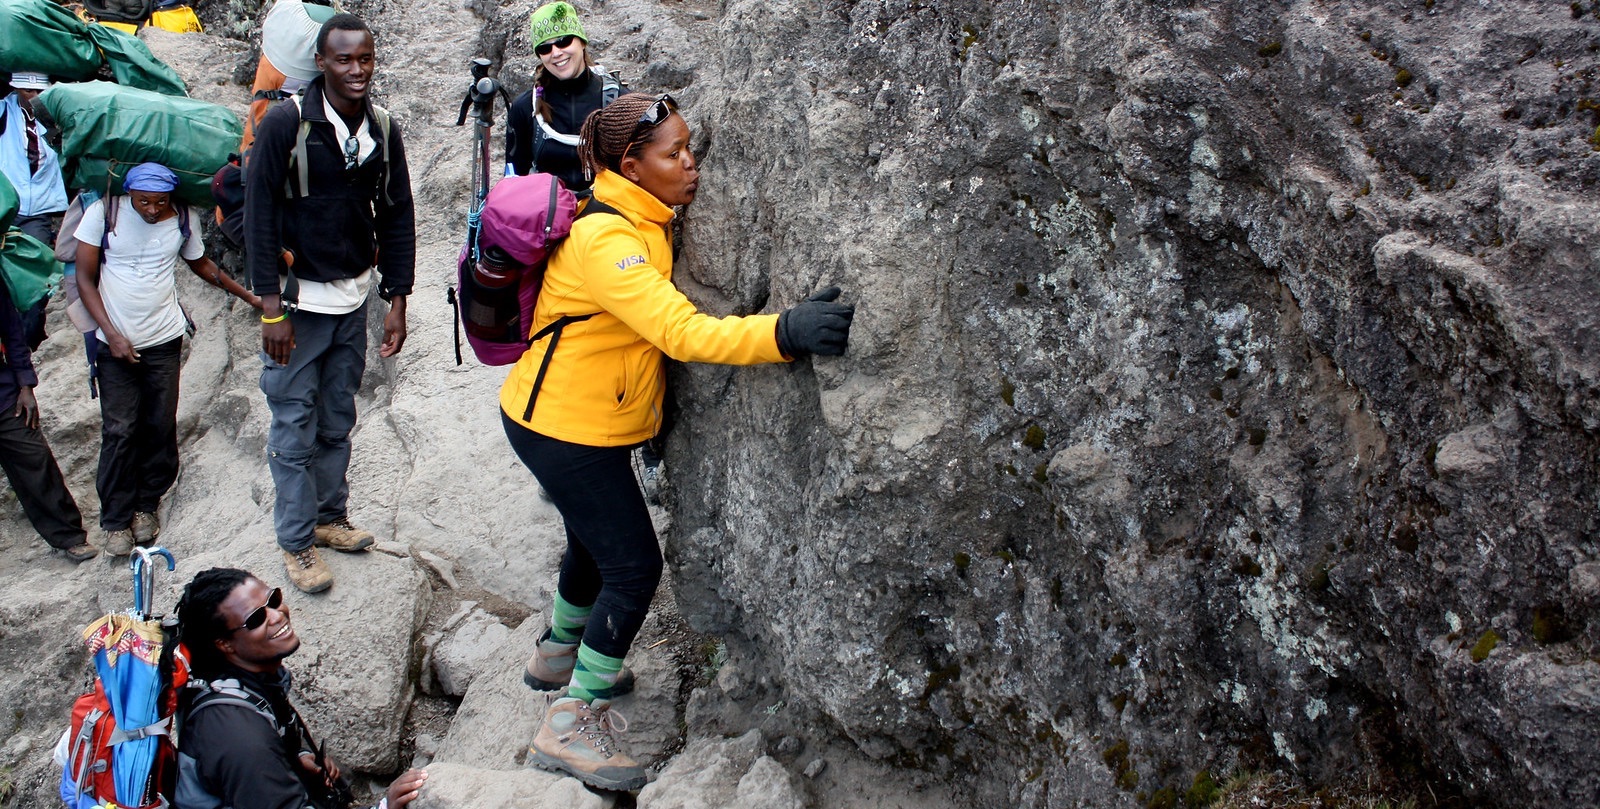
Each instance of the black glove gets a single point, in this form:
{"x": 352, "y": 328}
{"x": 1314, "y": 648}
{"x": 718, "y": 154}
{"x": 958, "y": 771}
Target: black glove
{"x": 817, "y": 326}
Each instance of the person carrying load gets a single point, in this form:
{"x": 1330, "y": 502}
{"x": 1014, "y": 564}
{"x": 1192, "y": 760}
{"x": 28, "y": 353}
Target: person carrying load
{"x": 128, "y": 251}
{"x": 288, "y": 57}
{"x": 34, "y": 170}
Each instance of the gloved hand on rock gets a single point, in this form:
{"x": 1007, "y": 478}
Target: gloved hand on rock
{"x": 817, "y": 326}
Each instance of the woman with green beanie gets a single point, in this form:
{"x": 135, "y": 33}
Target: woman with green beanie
{"x": 542, "y": 126}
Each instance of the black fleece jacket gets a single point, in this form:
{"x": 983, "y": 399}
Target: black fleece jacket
{"x": 570, "y": 103}
{"x": 239, "y": 756}
{"x": 346, "y": 223}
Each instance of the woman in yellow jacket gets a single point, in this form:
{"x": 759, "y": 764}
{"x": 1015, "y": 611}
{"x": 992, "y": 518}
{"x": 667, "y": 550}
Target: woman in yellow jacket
{"x": 590, "y": 388}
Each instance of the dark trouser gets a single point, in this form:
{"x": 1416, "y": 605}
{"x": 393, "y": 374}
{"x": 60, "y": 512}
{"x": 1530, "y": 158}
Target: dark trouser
{"x": 612, "y": 560}
{"x": 38, "y": 483}
{"x": 313, "y": 403}
{"x": 138, "y": 431}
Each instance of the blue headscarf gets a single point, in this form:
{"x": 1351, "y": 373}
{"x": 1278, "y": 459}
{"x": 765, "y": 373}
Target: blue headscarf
{"x": 150, "y": 177}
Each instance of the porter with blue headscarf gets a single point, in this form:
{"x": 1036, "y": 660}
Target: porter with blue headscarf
{"x": 128, "y": 251}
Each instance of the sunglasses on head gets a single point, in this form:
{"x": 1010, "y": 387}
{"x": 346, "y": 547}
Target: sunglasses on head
{"x": 560, "y": 42}
{"x": 658, "y": 111}
{"x": 258, "y": 616}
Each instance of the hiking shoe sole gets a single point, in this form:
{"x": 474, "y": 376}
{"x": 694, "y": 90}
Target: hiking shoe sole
{"x": 598, "y": 780}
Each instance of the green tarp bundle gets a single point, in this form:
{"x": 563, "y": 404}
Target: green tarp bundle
{"x": 42, "y": 36}
{"x": 107, "y": 129}
{"x": 28, "y": 267}
{"x": 10, "y": 203}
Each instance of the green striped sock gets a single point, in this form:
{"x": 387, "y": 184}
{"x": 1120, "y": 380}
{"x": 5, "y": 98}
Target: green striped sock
{"x": 567, "y": 622}
{"x": 593, "y": 674}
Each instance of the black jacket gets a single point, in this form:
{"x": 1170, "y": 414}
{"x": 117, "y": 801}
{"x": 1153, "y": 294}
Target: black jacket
{"x": 570, "y": 101}
{"x": 345, "y": 223}
{"x": 239, "y": 756}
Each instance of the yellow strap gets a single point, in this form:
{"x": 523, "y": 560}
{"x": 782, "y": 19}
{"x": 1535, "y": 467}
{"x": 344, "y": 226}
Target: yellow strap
{"x": 278, "y": 319}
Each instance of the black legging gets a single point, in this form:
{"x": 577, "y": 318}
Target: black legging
{"x": 612, "y": 559}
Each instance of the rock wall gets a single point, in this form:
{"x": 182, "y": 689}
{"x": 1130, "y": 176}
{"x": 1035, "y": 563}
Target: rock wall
{"x": 1222, "y": 393}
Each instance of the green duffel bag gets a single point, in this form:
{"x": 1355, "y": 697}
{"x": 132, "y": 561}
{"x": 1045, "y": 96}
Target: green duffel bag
{"x": 44, "y": 37}
{"x": 10, "y": 203}
{"x": 107, "y": 129}
{"x": 28, "y": 267}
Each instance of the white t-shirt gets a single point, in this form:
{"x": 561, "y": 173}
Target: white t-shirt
{"x": 138, "y": 277}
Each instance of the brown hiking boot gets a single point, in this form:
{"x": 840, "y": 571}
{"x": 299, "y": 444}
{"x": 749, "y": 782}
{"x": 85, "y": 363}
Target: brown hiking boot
{"x": 119, "y": 542}
{"x": 341, "y": 536}
{"x": 550, "y": 669}
{"x": 81, "y": 552}
{"x": 307, "y": 571}
{"x": 575, "y": 738}
{"x": 146, "y": 527}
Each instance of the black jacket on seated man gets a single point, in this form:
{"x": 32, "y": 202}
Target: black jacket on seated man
{"x": 242, "y": 745}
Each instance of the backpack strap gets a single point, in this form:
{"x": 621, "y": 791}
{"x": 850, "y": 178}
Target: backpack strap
{"x": 299, "y": 162}
{"x": 232, "y": 692}
{"x": 163, "y": 727}
{"x": 610, "y": 86}
{"x": 385, "y": 123}
{"x": 554, "y": 329}
{"x": 554, "y": 332}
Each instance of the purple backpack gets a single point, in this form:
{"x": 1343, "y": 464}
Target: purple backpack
{"x": 499, "y": 277}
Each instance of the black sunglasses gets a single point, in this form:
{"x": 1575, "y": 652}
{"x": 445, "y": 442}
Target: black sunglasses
{"x": 258, "y": 616}
{"x": 561, "y": 42}
{"x": 657, "y": 112}
{"x": 352, "y": 152}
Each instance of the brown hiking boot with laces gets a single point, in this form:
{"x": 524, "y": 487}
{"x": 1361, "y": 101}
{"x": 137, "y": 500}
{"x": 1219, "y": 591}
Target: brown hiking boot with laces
{"x": 307, "y": 571}
{"x": 550, "y": 669}
{"x": 118, "y": 542}
{"x": 146, "y": 527}
{"x": 341, "y": 536}
{"x": 575, "y": 738}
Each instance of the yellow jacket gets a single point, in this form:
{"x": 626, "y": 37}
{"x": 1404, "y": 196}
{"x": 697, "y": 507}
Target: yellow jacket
{"x": 605, "y": 382}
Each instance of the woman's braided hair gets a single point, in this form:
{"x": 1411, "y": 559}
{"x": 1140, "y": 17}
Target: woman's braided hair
{"x": 200, "y": 623}
{"x": 607, "y": 132}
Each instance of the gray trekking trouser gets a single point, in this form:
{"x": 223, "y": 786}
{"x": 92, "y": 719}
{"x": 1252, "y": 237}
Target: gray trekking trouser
{"x": 313, "y": 402}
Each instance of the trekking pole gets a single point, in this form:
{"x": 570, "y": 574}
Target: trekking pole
{"x": 144, "y": 578}
{"x": 480, "y": 102}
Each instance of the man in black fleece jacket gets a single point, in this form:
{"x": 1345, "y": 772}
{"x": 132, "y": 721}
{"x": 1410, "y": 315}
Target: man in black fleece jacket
{"x": 243, "y": 745}
{"x": 330, "y": 211}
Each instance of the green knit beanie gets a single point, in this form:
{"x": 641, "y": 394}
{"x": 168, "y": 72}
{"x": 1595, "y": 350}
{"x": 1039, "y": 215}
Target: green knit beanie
{"x": 554, "y": 20}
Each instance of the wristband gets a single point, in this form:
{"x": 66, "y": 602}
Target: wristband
{"x": 278, "y": 319}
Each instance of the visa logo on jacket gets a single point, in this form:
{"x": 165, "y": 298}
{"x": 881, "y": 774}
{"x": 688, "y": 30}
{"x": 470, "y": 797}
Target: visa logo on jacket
{"x": 629, "y": 262}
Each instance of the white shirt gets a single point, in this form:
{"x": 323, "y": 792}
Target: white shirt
{"x": 138, "y": 276}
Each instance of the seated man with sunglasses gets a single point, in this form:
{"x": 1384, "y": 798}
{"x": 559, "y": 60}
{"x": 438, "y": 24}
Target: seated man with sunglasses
{"x": 327, "y": 182}
{"x": 243, "y": 744}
